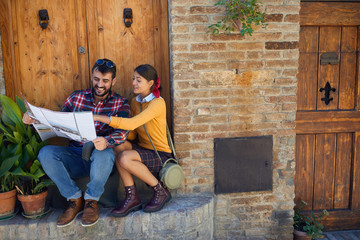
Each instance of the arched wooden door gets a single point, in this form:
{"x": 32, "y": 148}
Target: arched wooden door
{"x": 328, "y": 117}
{"x": 46, "y": 65}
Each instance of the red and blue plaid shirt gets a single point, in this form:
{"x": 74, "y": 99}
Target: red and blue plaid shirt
{"x": 113, "y": 105}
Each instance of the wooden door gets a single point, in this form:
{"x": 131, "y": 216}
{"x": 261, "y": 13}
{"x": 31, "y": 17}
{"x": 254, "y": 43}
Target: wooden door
{"x": 328, "y": 117}
{"x": 46, "y": 65}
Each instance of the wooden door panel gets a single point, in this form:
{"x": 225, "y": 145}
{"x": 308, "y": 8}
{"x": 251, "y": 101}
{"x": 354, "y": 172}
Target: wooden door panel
{"x": 329, "y": 41}
{"x": 342, "y": 170}
{"x": 47, "y": 61}
{"x": 146, "y": 42}
{"x": 323, "y": 171}
{"x": 305, "y": 147}
{"x": 308, "y": 47}
{"x": 347, "y": 84}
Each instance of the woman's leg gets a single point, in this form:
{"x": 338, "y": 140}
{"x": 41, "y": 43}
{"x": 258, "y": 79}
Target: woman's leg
{"x": 129, "y": 163}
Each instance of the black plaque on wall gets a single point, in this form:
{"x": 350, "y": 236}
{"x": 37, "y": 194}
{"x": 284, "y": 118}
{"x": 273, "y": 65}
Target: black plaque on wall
{"x": 243, "y": 164}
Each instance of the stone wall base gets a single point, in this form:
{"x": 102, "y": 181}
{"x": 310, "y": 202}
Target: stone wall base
{"x": 182, "y": 218}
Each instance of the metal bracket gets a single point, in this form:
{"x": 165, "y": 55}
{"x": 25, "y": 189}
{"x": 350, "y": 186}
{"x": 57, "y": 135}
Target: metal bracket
{"x": 128, "y": 17}
{"x": 43, "y": 18}
{"x": 331, "y": 58}
{"x": 327, "y": 99}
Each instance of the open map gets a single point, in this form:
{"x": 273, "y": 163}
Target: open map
{"x": 78, "y": 126}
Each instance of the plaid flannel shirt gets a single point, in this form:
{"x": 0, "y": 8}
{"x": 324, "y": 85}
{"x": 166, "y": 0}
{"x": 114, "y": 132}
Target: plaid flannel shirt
{"x": 113, "y": 105}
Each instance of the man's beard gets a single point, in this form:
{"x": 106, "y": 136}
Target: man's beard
{"x": 103, "y": 94}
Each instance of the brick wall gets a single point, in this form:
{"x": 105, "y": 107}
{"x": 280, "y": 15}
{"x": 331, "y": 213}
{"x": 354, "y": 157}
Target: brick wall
{"x": 233, "y": 86}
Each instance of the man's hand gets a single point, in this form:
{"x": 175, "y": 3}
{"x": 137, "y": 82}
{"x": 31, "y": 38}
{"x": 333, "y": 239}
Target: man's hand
{"x": 100, "y": 143}
{"x": 27, "y": 119}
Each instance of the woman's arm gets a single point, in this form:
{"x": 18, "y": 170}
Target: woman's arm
{"x": 102, "y": 118}
{"x": 153, "y": 110}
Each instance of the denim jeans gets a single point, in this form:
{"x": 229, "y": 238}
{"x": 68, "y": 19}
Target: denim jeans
{"x": 63, "y": 164}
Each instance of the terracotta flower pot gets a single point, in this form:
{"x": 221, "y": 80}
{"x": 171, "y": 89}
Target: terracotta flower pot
{"x": 298, "y": 235}
{"x": 7, "y": 203}
{"x": 33, "y": 204}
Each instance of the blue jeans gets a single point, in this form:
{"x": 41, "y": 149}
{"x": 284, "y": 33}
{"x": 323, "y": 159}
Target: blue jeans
{"x": 62, "y": 164}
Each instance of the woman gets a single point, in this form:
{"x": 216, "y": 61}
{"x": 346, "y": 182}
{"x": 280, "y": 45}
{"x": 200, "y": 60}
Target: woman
{"x": 142, "y": 161}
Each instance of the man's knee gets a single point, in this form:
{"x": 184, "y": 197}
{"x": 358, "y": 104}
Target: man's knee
{"x": 106, "y": 155}
{"x": 46, "y": 153}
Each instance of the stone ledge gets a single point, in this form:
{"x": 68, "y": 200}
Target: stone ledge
{"x": 182, "y": 218}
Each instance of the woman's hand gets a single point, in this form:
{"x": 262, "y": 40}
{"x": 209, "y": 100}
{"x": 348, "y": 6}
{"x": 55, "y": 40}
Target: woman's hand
{"x": 101, "y": 118}
{"x": 27, "y": 119}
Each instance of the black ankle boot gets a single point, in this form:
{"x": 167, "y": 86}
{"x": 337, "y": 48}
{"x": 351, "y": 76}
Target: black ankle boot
{"x": 160, "y": 197}
{"x": 131, "y": 203}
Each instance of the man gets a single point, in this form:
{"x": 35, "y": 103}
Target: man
{"x": 62, "y": 164}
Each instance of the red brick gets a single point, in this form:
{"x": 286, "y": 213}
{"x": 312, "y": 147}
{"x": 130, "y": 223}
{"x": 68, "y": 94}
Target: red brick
{"x": 219, "y": 101}
{"x": 247, "y": 46}
{"x": 283, "y": 9}
{"x": 248, "y": 65}
{"x": 206, "y": 136}
{"x": 189, "y": 19}
{"x": 267, "y": 36}
{"x": 182, "y": 85}
{"x": 186, "y": 75}
{"x": 180, "y": 47}
{"x": 193, "y": 94}
{"x": 189, "y": 2}
{"x": 263, "y": 108}
{"x": 190, "y": 56}
{"x": 281, "y": 45}
{"x": 291, "y": 36}
{"x": 288, "y": 27}
{"x": 182, "y": 138}
{"x": 204, "y": 171}
{"x": 175, "y": 11}
{"x": 220, "y": 92}
{"x": 208, "y": 47}
{"x": 182, "y": 120}
{"x": 246, "y": 118}
{"x": 190, "y": 37}
{"x": 181, "y": 103}
{"x": 274, "y": 17}
{"x": 209, "y": 119}
{"x": 281, "y": 63}
{"x": 183, "y": 112}
{"x": 209, "y": 65}
{"x": 245, "y": 201}
{"x": 227, "y": 56}
{"x": 180, "y": 29}
{"x": 191, "y": 128}
{"x": 295, "y": 18}
{"x": 182, "y": 67}
{"x": 199, "y": 28}
{"x": 289, "y": 107}
{"x": 226, "y": 37}
{"x": 205, "y": 9}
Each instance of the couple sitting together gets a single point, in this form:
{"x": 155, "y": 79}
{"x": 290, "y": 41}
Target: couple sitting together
{"x": 115, "y": 130}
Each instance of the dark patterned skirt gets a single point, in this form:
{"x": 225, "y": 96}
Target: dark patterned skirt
{"x": 151, "y": 159}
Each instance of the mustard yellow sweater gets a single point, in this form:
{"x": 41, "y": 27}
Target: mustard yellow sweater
{"x": 153, "y": 115}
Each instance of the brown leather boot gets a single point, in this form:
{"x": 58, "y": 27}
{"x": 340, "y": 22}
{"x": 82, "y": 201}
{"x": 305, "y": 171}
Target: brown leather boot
{"x": 160, "y": 197}
{"x": 91, "y": 213}
{"x": 75, "y": 207}
{"x": 131, "y": 203}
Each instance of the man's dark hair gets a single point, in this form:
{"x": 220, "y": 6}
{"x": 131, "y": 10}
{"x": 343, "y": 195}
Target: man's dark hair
{"x": 104, "y": 68}
{"x": 148, "y": 72}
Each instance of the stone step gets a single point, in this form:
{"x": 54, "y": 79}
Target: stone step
{"x": 189, "y": 217}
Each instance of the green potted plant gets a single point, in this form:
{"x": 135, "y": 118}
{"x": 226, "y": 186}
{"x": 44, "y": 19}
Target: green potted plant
{"x": 240, "y": 14}
{"x": 308, "y": 226}
{"x": 32, "y": 181}
{"x": 8, "y": 161}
